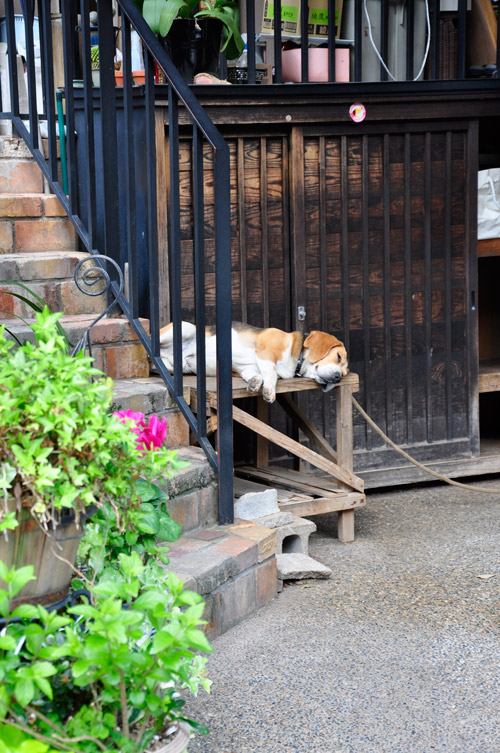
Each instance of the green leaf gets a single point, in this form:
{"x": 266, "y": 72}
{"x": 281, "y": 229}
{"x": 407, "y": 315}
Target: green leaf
{"x": 152, "y": 11}
{"x": 24, "y": 691}
{"x": 7, "y": 642}
{"x": 168, "y": 14}
{"x": 197, "y": 639}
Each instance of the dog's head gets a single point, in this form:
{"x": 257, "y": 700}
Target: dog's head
{"x": 326, "y": 359}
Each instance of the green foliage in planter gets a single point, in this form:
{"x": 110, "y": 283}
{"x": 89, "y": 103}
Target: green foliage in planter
{"x": 94, "y": 57}
{"x": 160, "y": 15}
{"x": 133, "y": 649}
{"x": 59, "y": 443}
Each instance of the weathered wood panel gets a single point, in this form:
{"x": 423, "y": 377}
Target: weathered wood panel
{"x": 369, "y": 228}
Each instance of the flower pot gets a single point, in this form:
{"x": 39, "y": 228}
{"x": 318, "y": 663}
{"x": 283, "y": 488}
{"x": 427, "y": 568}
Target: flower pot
{"x": 118, "y": 78}
{"x": 291, "y": 62}
{"x": 194, "y": 46}
{"x": 179, "y": 744}
{"x": 96, "y": 77}
{"x": 139, "y": 77}
{"x": 29, "y": 544}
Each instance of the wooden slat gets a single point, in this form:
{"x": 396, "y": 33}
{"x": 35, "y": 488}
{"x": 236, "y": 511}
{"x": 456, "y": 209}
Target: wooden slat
{"x": 489, "y": 376}
{"x": 292, "y": 478}
{"x": 311, "y": 432}
{"x": 297, "y": 449}
{"x": 488, "y": 247}
{"x": 343, "y": 503}
{"x": 245, "y": 486}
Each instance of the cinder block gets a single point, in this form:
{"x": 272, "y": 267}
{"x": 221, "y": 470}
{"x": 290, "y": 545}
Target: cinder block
{"x": 294, "y": 537}
{"x": 44, "y": 235}
{"x": 300, "y": 566}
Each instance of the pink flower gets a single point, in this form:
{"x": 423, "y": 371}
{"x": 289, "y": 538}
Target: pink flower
{"x": 149, "y": 435}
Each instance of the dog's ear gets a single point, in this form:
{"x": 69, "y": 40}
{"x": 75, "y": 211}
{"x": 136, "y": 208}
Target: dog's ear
{"x": 319, "y": 345}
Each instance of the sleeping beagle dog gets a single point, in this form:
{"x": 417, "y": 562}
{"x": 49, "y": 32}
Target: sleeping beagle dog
{"x": 260, "y": 356}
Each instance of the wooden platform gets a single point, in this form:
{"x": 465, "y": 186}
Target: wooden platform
{"x": 304, "y": 494}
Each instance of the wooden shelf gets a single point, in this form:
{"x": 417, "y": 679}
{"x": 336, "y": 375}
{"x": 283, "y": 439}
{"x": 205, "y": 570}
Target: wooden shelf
{"x": 489, "y": 376}
{"x": 488, "y": 247}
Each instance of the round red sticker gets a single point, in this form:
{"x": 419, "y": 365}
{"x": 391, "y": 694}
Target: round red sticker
{"x": 357, "y": 112}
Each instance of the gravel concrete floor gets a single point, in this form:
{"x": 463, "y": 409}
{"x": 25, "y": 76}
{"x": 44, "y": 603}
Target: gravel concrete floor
{"x": 398, "y": 652}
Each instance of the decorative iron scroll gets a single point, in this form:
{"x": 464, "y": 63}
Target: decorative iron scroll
{"x": 86, "y": 281}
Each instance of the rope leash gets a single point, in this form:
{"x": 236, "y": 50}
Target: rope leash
{"x": 422, "y": 467}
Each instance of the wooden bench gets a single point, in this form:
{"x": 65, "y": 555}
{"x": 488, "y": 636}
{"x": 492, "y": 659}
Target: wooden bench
{"x": 336, "y": 489}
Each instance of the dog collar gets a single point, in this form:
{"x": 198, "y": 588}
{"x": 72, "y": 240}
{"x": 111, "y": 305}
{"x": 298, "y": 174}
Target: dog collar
{"x": 301, "y": 356}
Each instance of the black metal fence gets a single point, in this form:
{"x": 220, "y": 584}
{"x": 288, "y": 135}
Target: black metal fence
{"x": 99, "y": 149}
{"x": 383, "y": 40}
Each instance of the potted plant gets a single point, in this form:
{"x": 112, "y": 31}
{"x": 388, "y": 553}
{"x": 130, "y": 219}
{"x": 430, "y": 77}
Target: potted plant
{"x": 62, "y": 453}
{"x": 107, "y": 675}
{"x": 195, "y": 32}
{"x": 94, "y": 61}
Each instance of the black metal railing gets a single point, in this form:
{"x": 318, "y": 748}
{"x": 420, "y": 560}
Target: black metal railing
{"x": 107, "y": 181}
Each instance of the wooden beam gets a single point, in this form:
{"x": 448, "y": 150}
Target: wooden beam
{"x": 297, "y": 449}
{"x": 311, "y": 432}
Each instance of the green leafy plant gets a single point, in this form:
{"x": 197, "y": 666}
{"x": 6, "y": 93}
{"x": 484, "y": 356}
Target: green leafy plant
{"x": 126, "y": 659}
{"x": 160, "y": 15}
{"x": 94, "y": 57}
{"x": 60, "y": 445}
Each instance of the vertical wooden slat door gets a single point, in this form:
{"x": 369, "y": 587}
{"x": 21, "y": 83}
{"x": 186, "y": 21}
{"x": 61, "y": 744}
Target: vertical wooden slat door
{"x": 389, "y": 263}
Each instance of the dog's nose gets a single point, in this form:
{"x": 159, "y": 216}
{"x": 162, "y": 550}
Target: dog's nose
{"x": 336, "y": 378}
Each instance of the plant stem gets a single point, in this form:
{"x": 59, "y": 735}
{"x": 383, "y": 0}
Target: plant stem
{"x": 123, "y": 703}
{"x": 38, "y": 736}
{"x": 52, "y": 725}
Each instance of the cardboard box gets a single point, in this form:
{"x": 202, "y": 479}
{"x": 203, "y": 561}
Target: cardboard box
{"x": 290, "y": 18}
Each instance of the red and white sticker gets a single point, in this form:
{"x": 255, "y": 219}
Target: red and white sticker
{"x": 357, "y": 112}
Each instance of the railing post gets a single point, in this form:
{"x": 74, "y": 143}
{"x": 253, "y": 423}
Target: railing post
{"x": 223, "y": 322}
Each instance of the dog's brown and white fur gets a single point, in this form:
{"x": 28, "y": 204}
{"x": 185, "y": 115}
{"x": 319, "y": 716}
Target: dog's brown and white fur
{"x": 260, "y": 356}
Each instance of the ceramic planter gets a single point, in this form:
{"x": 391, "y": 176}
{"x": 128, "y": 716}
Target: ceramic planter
{"x": 180, "y": 742}
{"x": 118, "y": 78}
{"x": 28, "y": 544}
{"x": 139, "y": 77}
{"x": 194, "y": 46}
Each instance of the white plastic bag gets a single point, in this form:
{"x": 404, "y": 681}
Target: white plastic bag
{"x": 488, "y": 203}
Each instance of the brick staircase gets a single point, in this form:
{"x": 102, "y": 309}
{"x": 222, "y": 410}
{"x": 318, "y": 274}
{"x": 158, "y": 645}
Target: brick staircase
{"x": 233, "y": 567}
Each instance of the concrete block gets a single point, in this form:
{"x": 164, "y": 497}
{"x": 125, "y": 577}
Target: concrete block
{"x": 256, "y": 505}
{"x": 276, "y": 520}
{"x": 238, "y": 600}
{"x": 294, "y": 537}
{"x": 300, "y": 566}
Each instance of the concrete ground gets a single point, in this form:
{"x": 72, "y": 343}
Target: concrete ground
{"x": 398, "y": 652}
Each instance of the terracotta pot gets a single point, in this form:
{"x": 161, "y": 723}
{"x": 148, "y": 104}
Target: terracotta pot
{"x": 118, "y": 78}
{"x": 180, "y": 742}
{"x": 139, "y": 77}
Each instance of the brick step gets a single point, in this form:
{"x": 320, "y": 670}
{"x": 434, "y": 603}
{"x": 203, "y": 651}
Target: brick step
{"x": 232, "y": 567}
{"x": 115, "y": 346}
{"x": 50, "y": 276}
{"x": 34, "y": 222}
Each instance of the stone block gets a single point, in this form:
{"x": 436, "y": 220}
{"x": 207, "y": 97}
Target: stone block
{"x": 265, "y": 538}
{"x": 44, "y": 235}
{"x": 19, "y": 205}
{"x": 299, "y": 567}
{"x": 178, "y": 429}
{"x": 256, "y": 505}
{"x": 276, "y": 520}
{"x": 185, "y": 510}
{"x": 267, "y": 581}
{"x": 244, "y": 550}
{"x": 72, "y": 301}
{"x": 53, "y": 207}
{"x": 238, "y": 600}
{"x": 212, "y": 614}
{"x": 294, "y": 537}
{"x": 210, "y": 569}
{"x": 125, "y": 361}
{"x": 14, "y": 146}
{"x": 209, "y": 505}
{"x": 17, "y": 176}
{"x": 6, "y": 238}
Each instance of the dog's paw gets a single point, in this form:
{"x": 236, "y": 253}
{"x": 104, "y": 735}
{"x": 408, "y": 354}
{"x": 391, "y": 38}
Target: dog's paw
{"x": 268, "y": 395}
{"x": 254, "y": 384}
